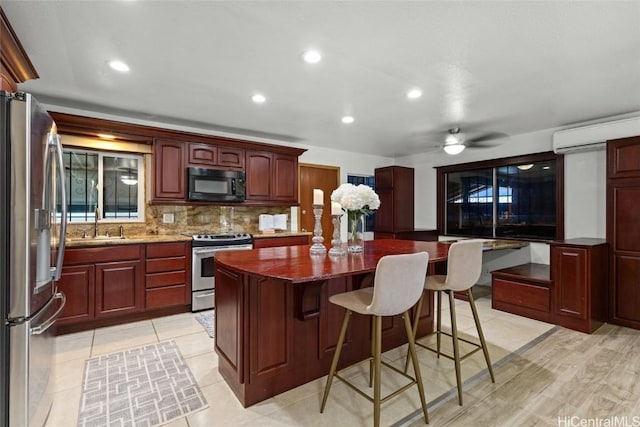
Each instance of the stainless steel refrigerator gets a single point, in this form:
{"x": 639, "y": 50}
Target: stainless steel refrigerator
{"x": 32, "y": 228}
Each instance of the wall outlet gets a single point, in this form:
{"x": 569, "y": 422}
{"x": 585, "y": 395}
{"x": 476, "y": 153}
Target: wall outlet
{"x": 168, "y": 218}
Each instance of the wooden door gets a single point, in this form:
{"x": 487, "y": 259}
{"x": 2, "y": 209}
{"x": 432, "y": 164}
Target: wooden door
{"x": 326, "y": 178}
{"x": 623, "y": 230}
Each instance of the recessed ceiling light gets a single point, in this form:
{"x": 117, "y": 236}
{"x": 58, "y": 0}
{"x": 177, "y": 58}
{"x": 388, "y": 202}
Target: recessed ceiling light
{"x": 525, "y": 167}
{"x": 258, "y": 98}
{"x": 119, "y": 66}
{"x": 312, "y": 56}
{"x": 546, "y": 167}
{"x": 414, "y": 94}
{"x": 347, "y": 119}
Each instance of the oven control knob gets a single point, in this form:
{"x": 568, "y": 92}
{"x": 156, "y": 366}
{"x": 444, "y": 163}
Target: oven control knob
{"x": 199, "y": 236}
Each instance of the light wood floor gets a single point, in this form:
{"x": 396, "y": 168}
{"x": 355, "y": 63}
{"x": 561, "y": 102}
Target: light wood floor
{"x": 565, "y": 379}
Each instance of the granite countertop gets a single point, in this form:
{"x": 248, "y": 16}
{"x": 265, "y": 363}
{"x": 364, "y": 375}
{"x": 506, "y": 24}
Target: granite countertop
{"x": 281, "y": 234}
{"x": 128, "y": 240}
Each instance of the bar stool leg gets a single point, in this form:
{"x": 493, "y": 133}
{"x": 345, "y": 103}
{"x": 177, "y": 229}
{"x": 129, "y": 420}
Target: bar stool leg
{"x": 377, "y": 336}
{"x": 373, "y": 350}
{"x": 485, "y": 350}
{"x": 439, "y": 323}
{"x": 456, "y": 350}
{"x": 416, "y": 321}
{"x": 336, "y": 357}
{"x": 416, "y": 366}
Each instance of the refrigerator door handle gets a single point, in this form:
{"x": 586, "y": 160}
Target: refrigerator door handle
{"x": 50, "y": 321}
{"x": 57, "y": 146}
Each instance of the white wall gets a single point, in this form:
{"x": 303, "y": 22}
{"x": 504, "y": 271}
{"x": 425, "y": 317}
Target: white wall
{"x": 584, "y": 193}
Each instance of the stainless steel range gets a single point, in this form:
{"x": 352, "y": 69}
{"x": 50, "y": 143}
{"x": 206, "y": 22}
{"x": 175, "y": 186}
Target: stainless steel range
{"x": 203, "y": 249}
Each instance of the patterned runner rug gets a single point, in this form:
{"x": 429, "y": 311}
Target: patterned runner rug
{"x": 147, "y": 386}
{"x": 207, "y": 319}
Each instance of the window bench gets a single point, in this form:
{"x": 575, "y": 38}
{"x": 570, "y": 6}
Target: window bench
{"x": 525, "y": 290}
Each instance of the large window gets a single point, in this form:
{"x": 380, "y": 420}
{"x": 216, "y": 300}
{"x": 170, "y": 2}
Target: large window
{"x": 369, "y": 180}
{"x": 519, "y": 197}
{"x": 110, "y": 184}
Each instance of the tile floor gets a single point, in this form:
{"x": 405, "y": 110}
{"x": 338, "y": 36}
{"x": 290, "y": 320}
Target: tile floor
{"x": 298, "y": 407}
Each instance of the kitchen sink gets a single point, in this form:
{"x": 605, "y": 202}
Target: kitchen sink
{"x": 94, "y": 239}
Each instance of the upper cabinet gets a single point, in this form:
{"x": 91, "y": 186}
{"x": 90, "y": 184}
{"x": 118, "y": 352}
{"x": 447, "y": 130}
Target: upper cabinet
{"x": 15, "y": 66}
{"x": 169, "y": 174}
{"x": 271, "y": 176}
{"x": 207, "y": 155}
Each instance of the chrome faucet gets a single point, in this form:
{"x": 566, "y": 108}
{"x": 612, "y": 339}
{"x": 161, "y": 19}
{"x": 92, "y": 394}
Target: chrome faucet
{"x": 95, "y": 224}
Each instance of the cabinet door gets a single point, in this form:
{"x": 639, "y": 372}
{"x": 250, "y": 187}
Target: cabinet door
{"x": 202, "y": 155}
{"x": 285, "y": 181}
{"x": 169, "y": 170}
{"x": 231, "y": 157}
{"x": 569, "y": 274}
{"x": 385, "y": 215}
{"x": 77, "y": 283}
{"x": 258, "y": 175}
{"x": 119, "y": 288}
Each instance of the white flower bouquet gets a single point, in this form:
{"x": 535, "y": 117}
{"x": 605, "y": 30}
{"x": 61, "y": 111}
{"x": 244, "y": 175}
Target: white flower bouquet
{"x": 358, "y": 201}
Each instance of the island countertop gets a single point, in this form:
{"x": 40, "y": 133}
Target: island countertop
{"x": 295, "y": 264}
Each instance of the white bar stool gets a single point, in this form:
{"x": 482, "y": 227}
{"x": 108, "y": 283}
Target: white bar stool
{"x": 464, "y": 266}
{"x": 398, "y": 284}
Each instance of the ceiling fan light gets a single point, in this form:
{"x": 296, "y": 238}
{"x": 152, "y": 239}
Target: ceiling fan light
{"x": 129, "y": 179}
{"x": 525, "y": 167}
{"x": 454, "y": 149}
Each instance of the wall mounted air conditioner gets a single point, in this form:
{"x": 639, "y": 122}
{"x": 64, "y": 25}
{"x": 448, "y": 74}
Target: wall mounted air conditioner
{"x": 594, "y": 137}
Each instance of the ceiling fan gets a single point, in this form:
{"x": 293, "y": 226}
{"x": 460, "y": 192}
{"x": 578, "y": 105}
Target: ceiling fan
{"x": 455, "y": 141}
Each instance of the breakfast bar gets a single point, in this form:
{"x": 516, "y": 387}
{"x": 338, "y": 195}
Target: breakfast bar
{"x": 275, "y": 329}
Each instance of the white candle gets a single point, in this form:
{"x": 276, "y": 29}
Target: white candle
{"x": 336, "y": 208}
{"x": 318, "y": 197}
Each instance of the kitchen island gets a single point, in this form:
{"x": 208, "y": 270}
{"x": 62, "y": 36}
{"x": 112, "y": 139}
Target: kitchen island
{"x": 275, "y": 328}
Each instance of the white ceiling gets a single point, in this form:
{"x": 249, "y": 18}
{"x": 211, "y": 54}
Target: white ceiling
{"x": 511, "y": 67}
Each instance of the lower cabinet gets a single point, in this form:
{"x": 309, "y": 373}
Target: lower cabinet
{"x": 106, "y": 283}
{"x": 119, "y": 288}
{"x": 167, "y": 278}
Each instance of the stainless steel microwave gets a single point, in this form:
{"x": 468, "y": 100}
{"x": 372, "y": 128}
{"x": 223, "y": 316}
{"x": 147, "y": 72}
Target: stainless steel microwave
{"x": 215, "y": 185}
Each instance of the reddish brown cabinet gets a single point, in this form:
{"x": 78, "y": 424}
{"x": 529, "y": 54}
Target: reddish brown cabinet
{"x": 623, "y": 230}
{"x": 78, "y": 284}
{"x": 270, "y": 242}
{"x": 167, "y": 275}
{"x": 169, "y": 174}
{"x": 525, "y": 290}
{"x": 112, "y": 284}
{"x": 271, "y": 176}
{"x": 208, "y": 155}
{"x": 579, "y": 270}
{"x": 394, "y": 185}
{"x": 119, "y": 288}
{"x": 202, "y": 155}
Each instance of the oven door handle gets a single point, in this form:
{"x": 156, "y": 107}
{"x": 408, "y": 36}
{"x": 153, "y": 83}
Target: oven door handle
{"x": 203, "y": 251}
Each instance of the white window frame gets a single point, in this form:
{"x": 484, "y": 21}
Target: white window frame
{"x": 100, "y": 185}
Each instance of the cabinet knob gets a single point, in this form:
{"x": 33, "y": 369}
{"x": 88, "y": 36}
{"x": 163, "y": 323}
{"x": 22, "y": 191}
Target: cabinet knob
{"x": 304, "y": 211}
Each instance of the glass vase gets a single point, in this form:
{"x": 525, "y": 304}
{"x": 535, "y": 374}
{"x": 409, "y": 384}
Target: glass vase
{"x": 355, "y": 238}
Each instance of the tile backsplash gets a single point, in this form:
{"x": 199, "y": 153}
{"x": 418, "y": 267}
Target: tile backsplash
{"x": 188, "y": 220}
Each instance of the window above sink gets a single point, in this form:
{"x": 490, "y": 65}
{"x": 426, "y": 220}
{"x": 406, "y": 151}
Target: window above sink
{"x": 112, "y": 183}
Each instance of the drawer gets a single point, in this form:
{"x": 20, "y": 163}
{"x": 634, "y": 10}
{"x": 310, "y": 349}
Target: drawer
{"x": 161, "y": 250}
{"x": 103, "y": 254}
{"x": 270, "y": 242}
{"x": 159, "y": 265}
{"x": 166, "y": 279}
{"x": 522, "y": 294}
{"x": 166, "y": 297}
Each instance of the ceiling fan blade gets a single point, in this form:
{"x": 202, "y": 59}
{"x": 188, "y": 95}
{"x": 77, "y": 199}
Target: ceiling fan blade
{"x": 483, "y": 140}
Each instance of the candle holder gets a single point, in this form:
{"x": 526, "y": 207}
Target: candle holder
{"x": 317, "y": 248}
{"x": 336, "y": 243}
